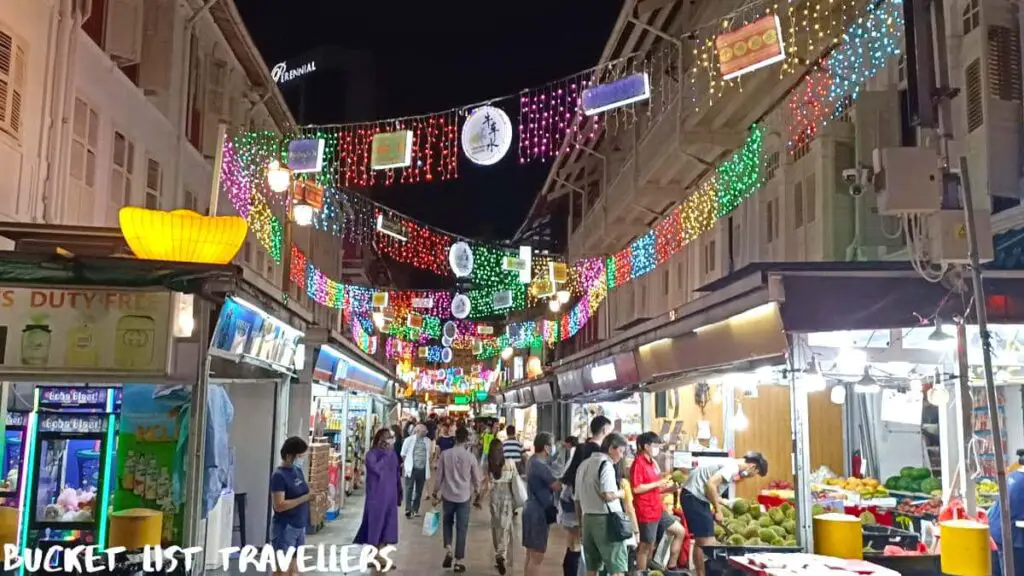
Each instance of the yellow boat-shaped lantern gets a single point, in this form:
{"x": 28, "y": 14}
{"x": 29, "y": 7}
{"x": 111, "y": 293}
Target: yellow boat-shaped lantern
{"x": 182, "y": 235}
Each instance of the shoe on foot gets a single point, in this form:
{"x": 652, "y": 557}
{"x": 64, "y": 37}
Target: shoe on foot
{"x": 500, "y": 565}
{"x": 459, "y": 568}
{"x": 447, "y": 561}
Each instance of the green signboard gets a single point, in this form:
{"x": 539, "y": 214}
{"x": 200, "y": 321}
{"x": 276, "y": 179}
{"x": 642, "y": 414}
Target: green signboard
{"x": 481, "y": 395}
{"x": 461, "y": 400}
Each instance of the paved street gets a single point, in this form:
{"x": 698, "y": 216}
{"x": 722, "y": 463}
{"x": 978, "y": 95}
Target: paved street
{"x": 422, "y": 555}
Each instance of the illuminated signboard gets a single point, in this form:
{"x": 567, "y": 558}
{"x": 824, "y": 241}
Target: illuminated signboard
{"x": 281, "y": 73}
{"x": 753, "y": 46}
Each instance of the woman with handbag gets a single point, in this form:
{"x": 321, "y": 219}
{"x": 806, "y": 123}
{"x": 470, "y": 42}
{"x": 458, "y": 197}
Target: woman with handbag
{"x": 502, "y": 485}
{"x": 539, "y": 512}
{"x": 606, "y": 527}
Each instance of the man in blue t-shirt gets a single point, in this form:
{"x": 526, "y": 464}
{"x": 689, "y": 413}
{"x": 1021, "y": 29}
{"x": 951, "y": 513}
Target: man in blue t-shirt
{"x": 290, "y": 496}
{"x": 1015, "y": 487}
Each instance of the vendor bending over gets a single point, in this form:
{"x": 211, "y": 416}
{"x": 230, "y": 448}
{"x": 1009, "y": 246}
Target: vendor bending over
{"x": 702, "y": 496}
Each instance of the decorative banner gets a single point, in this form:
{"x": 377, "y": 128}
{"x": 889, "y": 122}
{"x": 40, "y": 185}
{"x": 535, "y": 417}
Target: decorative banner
{"x": 308, "y": 192}
{"x": 380, "y": 300}
{"x": 422, "y": 302}
{"x": 484, "y": 329}
{"x": 502, "y": 299}
{"x": 460, "y": 258}
{"x": 415, "y": 321}
{"x": 559, "y": 272}
{"x": 391, "y": 227}
{"x": 486, "y": 135}
{"x": 753, "y": 46}
{"x": 391, "y": 150}
{"x": 83, "y": 331}
{"x": 621, "y": 92}
{"x": 306, "y": 155}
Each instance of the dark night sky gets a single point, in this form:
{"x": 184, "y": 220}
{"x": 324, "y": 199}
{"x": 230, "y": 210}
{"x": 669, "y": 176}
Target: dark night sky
{"x": 428, "y": 59}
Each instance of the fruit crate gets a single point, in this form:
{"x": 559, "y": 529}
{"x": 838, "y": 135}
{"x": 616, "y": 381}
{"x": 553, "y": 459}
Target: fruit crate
{"x": 716, "y": 558}
{"x": 878, "y": 537}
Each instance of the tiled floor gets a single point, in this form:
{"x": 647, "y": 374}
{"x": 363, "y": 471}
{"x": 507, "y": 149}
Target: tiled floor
{"x": 422, "y": 555}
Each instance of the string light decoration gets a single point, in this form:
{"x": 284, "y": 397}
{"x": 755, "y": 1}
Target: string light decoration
{"x": 740, "y": 175}
{"x": 268, "y": 228}
{"x": 423, "y": 247}
{"x": 668, "y": 237}
{"x": 867, "y": 46}
{"x": 488, "y": 271}
{"x": 548, "y": 114}
{"x": 641, "y": 255}
{"x": 697, "y": 213}
{"x": 434, "y": 154}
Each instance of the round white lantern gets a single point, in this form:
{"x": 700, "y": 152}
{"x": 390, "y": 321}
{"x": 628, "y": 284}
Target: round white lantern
{"x": 486, "y": 135}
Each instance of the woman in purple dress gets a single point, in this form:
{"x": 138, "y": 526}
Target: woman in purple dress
{"x": 383, "y": 493}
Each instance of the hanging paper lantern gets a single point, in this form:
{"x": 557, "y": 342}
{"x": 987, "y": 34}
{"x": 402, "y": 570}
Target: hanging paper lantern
{"x": 182, "y": 235}
{"x": 460, "y": 258}
{"x": 279, "y": 177}
{"x": 460, "y": 306}
{"x": 533, "y": 367}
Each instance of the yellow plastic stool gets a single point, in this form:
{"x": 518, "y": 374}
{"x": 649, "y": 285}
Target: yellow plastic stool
{"x": 965, "y": 548}
{"x": 839, "y": 536}
{"x": 135, "y": 528}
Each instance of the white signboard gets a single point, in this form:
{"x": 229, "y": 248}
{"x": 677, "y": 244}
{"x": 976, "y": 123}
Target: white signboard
{"x": 84, "y": 331}
{"x": 486, "y": 135}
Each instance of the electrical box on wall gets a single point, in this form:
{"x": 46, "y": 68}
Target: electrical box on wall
{"x": 947, "y": 233}
{"x": 907, "y": 180}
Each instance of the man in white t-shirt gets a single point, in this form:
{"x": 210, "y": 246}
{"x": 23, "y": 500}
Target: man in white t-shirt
{"x": 702, "y": 496}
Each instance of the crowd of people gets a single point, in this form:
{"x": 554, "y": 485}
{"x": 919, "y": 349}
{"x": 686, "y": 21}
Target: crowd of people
{"x": 609, "y": 501}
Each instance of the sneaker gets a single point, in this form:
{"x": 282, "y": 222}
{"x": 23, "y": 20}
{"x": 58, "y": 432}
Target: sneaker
{"x": 500, "y": 565}
{"x": 459, "y": 568}
{"x": 447, "y": 563}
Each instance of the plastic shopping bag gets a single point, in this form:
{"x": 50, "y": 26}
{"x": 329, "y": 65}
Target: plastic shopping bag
{"x": 663, "y": 554}
{"x": 431, "y": 522}
{"x": 518, "y": 491}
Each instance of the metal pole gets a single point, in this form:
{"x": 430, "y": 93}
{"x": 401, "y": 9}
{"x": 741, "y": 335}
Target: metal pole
{"x": 194, "y": 473}
{"x": 966, "y": 417}
{"x": 218, "y": 162}
{"x": 986, "y": 354}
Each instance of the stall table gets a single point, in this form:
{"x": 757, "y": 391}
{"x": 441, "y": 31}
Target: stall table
{"x": 768, "y": 564}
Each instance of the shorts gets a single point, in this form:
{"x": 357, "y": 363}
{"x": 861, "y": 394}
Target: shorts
{"x": 599, "y": 550}
{"x": 651, "y": 532}
{"x": 535, "y": 528}
{"x": 567, "y": 509}
{"x": 286, "y": 537}
{"x": 699, "y": 519}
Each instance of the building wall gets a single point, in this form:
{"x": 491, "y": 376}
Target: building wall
{"x": 121, "y": 115}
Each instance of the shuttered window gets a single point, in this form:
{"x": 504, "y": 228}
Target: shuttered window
{"x": 975, "y": 115}
{"x": 1004, "y": 81}
{"x": 12, "y": 84}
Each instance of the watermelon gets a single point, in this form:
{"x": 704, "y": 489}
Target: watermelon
{"x": 928, "y": 485}
{"x": 893, "y": 483}
{"x": 907, "y": 471}
{"x": 922, "y": 474}
{"x": 906, "y": 484}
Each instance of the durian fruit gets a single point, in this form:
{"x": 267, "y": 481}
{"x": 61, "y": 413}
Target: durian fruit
{"x": 751, "y": 531}
{"x": 755, "y": 542}
{"x": 789, "y": 526}
{"x": 735, "y": 540}
{"x": 740, "y": 507}
{"x": 719, "y": 532}
{"x": 766, "y": 521}
{"x": 735, "y": 527}
{"x": 791, "y": 514}
{"x": 765, "y": 534}
{"x": 755, "y": 512}
{"x": 744, "y": 518}
{"x": 778, "y": 515}
{"x": 779, "y": 531}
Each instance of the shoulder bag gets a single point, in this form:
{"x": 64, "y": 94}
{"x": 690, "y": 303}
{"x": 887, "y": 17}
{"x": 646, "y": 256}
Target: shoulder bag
{"x": 620, "y": 527}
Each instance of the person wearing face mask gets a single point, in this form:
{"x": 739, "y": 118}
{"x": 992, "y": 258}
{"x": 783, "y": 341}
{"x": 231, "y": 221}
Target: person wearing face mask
{"x": 599, "y": 501}
{"x": 702, "y": 496}
{"x": 648, "y": 488}
{"x": 290, "y": 495}
{"x": 383, "y": 493}
{"x": 539, "y": 512}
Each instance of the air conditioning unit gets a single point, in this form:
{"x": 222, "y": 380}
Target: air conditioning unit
{"x": 947, "y": 236}
{"x": 990, "y": 107}
{"x": 123, "y": 31}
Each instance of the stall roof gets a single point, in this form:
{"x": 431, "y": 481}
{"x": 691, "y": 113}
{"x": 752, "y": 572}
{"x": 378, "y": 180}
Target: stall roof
{"x": 37, "y": 268}
{"x": 822, "y": 296}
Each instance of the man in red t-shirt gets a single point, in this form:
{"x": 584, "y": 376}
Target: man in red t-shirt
{"x": 648, "y": 487}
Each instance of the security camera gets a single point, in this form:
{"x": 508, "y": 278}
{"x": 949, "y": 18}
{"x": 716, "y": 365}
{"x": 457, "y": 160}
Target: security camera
{"x": 851, "y": 175}
{"x": 856, "y": 190}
